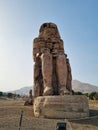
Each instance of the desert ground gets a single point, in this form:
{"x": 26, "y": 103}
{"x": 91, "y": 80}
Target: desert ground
{"x": 10, "y": 112}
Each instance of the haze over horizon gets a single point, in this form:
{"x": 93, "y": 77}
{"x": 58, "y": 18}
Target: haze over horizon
{"x": 20, "y": 21}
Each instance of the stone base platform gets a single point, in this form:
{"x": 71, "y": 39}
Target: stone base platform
{"x": 60, "y": 107}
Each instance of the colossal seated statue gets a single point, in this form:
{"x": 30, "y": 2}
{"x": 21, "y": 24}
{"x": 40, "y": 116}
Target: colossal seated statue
{"x": 52, "y": 71}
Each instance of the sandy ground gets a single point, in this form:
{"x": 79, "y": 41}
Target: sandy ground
{"x": 10, "y": 111}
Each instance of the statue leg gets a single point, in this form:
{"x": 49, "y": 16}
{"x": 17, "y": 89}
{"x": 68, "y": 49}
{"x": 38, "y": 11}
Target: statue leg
{"x": 61, "y": 70}
{"x": 37, "y": 78}
{"x": 36, "y": 83}
{"x": 69, "y": 85}
{"x": 47, "y": 73}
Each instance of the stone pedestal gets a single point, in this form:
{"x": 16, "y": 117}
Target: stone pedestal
{"x": 60, "y": 107}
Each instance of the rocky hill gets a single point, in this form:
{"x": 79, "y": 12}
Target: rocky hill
{"x": 83, "y": 87}
{"x": 23, "y": 90}
{"x": 76, "y": 85}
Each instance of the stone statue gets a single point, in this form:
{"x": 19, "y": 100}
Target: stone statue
{"x": 29, "y": 100}
{"x": 30, "y": 94}
{"x": 52, "y": 78}
{"x": 52, "y": 71}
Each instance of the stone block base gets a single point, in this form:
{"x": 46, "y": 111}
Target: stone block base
{"x": 60, "y": 107}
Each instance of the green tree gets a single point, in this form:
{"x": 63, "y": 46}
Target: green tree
{"x": 10, "y": 95}
{"x": 96, "y": 96}
{"x": 1, "y": 93}
{"x": 86, "y": 94}
{"x": 92, "y": 95}
{"x": 78, "y": 93}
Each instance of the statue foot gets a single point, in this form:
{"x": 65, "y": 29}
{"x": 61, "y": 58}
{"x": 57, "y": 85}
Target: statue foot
{"x": 48, "y": 91}
{"x": 64, "y": 91}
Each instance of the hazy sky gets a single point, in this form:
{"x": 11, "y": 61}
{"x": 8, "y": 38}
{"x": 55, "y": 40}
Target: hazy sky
{"x": 20, "y": 20}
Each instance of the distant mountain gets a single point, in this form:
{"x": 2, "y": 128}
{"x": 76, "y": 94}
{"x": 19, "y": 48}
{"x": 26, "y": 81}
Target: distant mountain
{"x": 23, "y": 91}
{"x": 76, "y": 86}
{"x": 83, "y": 87}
